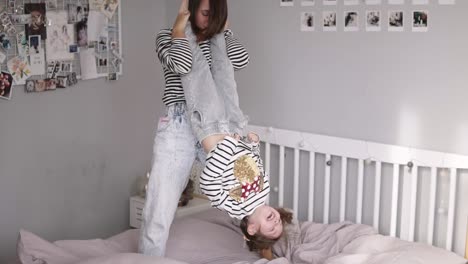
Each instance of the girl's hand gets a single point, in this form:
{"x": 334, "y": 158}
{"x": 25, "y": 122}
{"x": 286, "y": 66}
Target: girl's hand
{"x": 178, "y": 30}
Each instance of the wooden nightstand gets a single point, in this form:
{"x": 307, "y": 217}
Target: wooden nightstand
{"x": 197, "y": 204}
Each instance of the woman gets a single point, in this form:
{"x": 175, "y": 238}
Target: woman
{"x": 175, "y": 145}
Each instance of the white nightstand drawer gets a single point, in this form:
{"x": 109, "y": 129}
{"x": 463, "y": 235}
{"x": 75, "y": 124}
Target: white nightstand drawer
{"x": 197, "y": 204}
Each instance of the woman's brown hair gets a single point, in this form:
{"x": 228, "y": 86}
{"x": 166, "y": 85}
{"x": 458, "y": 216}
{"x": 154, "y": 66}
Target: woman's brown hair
{"x": 258, "y": 242}
{"x": 217, "y": 17}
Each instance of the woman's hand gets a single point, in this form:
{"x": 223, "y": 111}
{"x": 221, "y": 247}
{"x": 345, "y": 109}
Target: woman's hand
{"x": 178, "y": 30}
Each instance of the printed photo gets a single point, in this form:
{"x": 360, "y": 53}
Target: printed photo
{"x": 329, "y": 20}
{"x": 22, "y": 44}
{"x": 112, "y": 76}
{"x": 308, "y": 3}
{"x": 19, "y": 69}
{"x": 373, "y": 21}
{"x": 73, "y": 48}
{"x": 395, "y": 20}
{"x": 71, "y": 78}
{"x": 30, "y": 86}
{"x": 20, "y": 19}
{"x": 62, "y": 81}
{"x": 66, "y": 67}
{"x": 108, "y": 7}
{"x": 286, "y": 3}
{"x": 6, "y": 81}
{"x": 40, "y": 86}
{"x": 351, "y": 21}
{"x": 37, "y": 25}
{"x": 307, "y": 21}
{"x": 5, "y": 41}
{"x": 102, "y": 62}
{"x": 35, "y": 44}
{"x": 82, "y": 33}
{"x": 50, "y": 84}
{"x": 329, "y": 2}
{"x": 77, "y": 11}
{"x": 351, "y": 2}
{"x": 51, "y": 4}
{"x": 420, "y": 21}
{"x": 61, "y": 36}
{"x": 373, "y": 2}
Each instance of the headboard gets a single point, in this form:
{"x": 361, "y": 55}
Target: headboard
{"x": 405, "y": 181}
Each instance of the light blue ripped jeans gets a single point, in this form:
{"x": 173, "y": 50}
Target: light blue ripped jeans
{"x": 211, "y": 94}
{"x": 175, "y": 149}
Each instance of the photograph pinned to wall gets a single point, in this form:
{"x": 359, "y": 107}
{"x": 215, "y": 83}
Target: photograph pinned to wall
{"x": 37, "y": 24}
{"x": 30, "y": 86}
{"x": 40, "y": 86}
{"x": 351, "y": 21}
{"x": 307, "y": 21}
{"x": 51, "y": 4}
{"x": 35, "y": 45}
{"x": 77, "y": 11}
{"x": 420, "y": 2}
{"x": 446, "y": 2}
{"x": 286, "y": 3}
{"x": 5, "y": 41}
{"x": 66, "y": 66}
{"x": 96, "y": 26}
{"x": 307, "y": 2}
{"x": 3, "y": 57}
{"x": 395, "y": 21}
{"x": 373, "y": 21}
{"x": 22, "y": 44}
{"x": 71, "y": 79}
{"x": 108, "y": 8}
{"x": 7, "y": 24}
{"x": 21, "y": 19}
{"x": 373, "y": 2}
{"x": 351, "y": 2}
{"x": 396, "y": 2}
{"x": 112, "y": 76}
{"x": 88, "y": 65}
{"x": 11, "y": 6}
{"x": 61, "y": 35}
{"x": 82, "y": 33}
{"x": 50, "y": 84}
{"x": 19, "y": 69}
{"x": 329, "y": 20}
{"x": 103, "y": 43}
{"x": 329, "y": 2}
{"x": 53, "y": 69}
{"x": 102, "y": 62}
{"x": 73, "y": 48}
{"x": 420, "y": 21}
{"x": 95, "y": 4}
{"x": 6, "y": 82}
{"x": 37, "y": 63}
{"x": 62, "y": 81}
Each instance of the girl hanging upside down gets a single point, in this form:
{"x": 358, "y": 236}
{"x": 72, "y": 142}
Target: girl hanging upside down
{"x": 233, "y": 178}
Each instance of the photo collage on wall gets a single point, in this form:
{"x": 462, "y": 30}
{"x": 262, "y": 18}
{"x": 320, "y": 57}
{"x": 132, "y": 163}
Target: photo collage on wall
{"x": 374, "y": 19}
{"x": 51, "y": 44}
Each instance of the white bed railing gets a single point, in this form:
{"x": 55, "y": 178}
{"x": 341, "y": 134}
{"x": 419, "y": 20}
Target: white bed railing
{"x": 404, "y": 196}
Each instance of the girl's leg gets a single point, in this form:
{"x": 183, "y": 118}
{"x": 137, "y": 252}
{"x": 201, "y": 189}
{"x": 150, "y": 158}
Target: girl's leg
{"x": 223, "y": 75}
{"x": 174, "y": 153}
{"x": 204, "y": 103}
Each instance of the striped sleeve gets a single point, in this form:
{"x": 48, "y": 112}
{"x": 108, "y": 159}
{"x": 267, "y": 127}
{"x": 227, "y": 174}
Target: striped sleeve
{"x": 236, "y": 52}
{"x": 174, "y": 54}
{"x": 211, "y": 180}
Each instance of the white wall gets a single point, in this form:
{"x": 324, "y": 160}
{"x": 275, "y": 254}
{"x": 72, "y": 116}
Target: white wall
{"x": 69, "y": 158}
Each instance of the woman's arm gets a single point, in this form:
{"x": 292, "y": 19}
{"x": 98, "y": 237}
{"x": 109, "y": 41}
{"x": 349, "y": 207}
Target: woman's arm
{"x": 236, "y": 51}
{"x": 174, "y": 53}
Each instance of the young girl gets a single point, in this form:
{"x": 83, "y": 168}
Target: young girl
{"x": 233, "y": 178}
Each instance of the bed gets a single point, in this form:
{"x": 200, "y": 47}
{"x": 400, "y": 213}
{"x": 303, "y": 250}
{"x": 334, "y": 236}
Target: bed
{"x": 334, "y": 226}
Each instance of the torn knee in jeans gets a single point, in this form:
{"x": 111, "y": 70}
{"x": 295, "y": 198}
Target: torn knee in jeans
{"x": 252, "y": 137}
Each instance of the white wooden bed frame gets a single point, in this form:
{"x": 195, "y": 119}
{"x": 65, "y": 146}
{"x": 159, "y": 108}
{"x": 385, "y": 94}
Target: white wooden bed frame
{"x": 365, "y": 152}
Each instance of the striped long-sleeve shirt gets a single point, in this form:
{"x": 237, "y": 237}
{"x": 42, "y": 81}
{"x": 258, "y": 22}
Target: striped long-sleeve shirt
{"x": 176, "y": 59}
{"x": 225, "y": 179}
